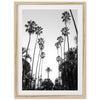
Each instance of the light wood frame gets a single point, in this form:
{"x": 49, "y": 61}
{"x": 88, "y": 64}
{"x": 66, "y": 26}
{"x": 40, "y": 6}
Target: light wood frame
{"x": 15, "y": 50}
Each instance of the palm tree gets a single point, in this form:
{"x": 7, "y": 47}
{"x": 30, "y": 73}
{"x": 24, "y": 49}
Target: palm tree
{"x": 30, "y": 28}
{"x": 37, "y": 32}
{"x": 57, "y": 46}
{"x": 42, "y": 55}
{"x": 65, "y": 18}
{"x": 41, "y": 41}
{"x": 59, "y": 59}
{"x": 60, "y": 40}
{"x": 48, "y": 70}
{"x": 76, "y": 37}
{"x": 41, "y": 47}
{"x": 74, "y": 22}
{"x": 65, "y": 33}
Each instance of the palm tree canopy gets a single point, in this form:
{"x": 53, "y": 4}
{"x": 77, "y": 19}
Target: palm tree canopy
{"x": 42, "y": 55}
{"x": 40, "y": 41}
{"x": 65, "y": 31}
{"x": 60, "y": 39}
{"x": 39, "y": 30}
{"x": 48, "y": 69}
{"x": 57, "y": 44}
{"x": 66, "y": 16}
{"x": 41, "y": 46}
{"x": 30, "y": 26}
{"x": 58, "y": 58}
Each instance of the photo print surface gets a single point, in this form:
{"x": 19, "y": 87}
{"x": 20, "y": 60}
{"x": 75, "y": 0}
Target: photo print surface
{"x": 50, "y": 49}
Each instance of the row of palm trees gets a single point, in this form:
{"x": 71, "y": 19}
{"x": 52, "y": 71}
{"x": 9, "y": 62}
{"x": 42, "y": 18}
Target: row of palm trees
{"x": 39, "y": 65}
{"x": 61, "y": 40}
{"x": 33, "y": 28}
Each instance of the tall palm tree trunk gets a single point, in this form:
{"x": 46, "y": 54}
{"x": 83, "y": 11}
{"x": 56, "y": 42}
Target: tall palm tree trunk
{"x": 74, "y": 22}
{"x": 37, "y": 66}
{"x": 68, "y": 42}
{"x": 65, "y": 40}
{"x": 58, "y": 71}
{"x": 74, "y": 26}
{"x": 28, "y": 45}
{"x": 64, "y": 45}
{"x": 41, "y": 67}
{"x": 61, "y": 50}
{"x": 39, "y": 71}
{"x": 58, "y": 52}
{"x": 67, "y": 37}
{"x": 48, "y": 75}
{"x": 34, "y": 53}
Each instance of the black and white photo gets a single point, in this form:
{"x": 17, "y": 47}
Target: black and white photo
{"x": 50, "y": 49}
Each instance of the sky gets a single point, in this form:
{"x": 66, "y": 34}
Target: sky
{"x": 51, "y": 22}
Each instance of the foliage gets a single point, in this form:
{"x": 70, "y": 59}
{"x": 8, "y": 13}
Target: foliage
{"x": 31, "y": 26}
{"x": 60, "y": 39}
{"x": 69, "y": 70}
{"x": 66, "y": 16}
{"x": 59, "y": 59}
{"x": 57, "y": 85}
{"x": 57, "y": 45}
{"x": 48, "y": 69}
{"x": 38, "y": 30}
{"x": 47, "y": 84}
{"x": 65, "y": 31}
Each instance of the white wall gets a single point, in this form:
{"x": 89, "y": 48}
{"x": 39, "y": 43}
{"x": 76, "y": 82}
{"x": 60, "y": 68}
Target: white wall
{"x": 7, "y": 49}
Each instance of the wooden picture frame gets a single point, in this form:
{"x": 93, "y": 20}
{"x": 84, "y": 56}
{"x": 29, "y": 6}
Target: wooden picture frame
{"x": 83, "y": 25}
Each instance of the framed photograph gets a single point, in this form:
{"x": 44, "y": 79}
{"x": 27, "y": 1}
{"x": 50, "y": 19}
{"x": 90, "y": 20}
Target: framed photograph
{"x": 49, "y": 49}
